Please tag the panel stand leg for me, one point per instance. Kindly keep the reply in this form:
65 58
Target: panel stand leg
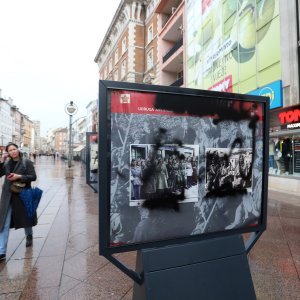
211 269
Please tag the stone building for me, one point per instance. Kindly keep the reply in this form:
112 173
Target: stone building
129 50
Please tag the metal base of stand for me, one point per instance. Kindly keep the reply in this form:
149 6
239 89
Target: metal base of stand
69 173
211 269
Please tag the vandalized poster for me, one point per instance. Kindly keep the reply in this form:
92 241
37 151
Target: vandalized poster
233 45
182 165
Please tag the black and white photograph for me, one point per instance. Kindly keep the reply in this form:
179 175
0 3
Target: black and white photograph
170 169
228 169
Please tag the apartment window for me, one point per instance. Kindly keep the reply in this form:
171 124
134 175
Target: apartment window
150 34
123 68
124 45
149 59
116 75
179 74
116 55
110 65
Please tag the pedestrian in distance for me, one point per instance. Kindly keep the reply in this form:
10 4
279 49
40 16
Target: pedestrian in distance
12 211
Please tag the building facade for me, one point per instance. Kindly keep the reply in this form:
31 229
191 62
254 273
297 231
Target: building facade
92 116
17 115
60 141
17 128
26 135
6 122
37 136
171 41
251 47
239 46
129 49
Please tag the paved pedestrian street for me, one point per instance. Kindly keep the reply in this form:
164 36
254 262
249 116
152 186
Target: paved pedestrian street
64 262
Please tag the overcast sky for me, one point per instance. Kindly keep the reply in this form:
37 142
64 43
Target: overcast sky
47 51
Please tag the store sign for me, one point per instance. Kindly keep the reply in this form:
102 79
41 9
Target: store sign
290 118
273 91
286 118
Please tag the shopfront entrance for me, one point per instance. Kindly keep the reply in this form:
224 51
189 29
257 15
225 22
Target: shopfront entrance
284 143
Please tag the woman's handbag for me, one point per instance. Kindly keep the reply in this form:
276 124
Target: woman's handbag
17 186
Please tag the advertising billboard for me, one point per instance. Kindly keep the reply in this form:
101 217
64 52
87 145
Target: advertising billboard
179 164
232 45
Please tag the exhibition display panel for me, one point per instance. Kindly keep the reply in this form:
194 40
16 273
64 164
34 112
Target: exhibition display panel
179 165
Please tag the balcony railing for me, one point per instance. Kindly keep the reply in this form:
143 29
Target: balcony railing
173 50
178 82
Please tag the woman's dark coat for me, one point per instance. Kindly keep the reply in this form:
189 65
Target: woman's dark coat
19 219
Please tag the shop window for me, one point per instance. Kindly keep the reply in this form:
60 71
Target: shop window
284 155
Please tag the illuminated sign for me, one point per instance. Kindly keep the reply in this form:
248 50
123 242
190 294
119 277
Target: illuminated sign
289 116
292 126
286 118
273 91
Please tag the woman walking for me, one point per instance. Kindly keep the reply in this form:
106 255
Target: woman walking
12 210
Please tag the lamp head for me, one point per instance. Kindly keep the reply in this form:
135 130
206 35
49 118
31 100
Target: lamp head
71 108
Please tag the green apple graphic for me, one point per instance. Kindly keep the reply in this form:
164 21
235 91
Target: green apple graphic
266 10
247 29
243 35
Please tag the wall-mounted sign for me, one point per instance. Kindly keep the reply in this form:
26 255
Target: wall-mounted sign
273 91
290 118
286 118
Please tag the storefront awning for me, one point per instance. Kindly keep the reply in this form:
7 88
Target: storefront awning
79 148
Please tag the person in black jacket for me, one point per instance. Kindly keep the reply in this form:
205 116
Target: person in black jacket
12 210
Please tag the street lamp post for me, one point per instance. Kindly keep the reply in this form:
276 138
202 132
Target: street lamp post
70 109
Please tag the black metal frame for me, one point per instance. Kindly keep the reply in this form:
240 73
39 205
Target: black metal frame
105 87
92 184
